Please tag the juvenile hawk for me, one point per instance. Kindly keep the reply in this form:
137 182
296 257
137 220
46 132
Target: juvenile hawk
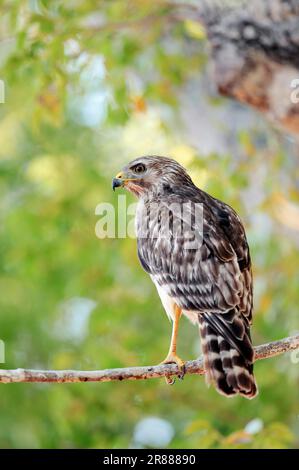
202 270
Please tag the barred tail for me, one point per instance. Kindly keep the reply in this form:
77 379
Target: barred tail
228 360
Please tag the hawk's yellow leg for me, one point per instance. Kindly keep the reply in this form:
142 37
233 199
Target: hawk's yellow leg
172 356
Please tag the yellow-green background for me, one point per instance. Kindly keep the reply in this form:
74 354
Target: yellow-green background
90 85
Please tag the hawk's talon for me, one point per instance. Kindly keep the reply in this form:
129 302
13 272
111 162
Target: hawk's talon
172 358
182 374
170 380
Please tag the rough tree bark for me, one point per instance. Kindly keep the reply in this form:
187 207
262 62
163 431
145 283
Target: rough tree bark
255 50
137 373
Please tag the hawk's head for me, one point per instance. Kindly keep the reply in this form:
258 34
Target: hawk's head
151 174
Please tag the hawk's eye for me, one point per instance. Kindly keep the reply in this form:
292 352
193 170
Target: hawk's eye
139 168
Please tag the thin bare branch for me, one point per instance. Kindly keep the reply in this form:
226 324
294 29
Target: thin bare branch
135 373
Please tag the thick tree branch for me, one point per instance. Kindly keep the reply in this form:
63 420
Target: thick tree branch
135 373
255 50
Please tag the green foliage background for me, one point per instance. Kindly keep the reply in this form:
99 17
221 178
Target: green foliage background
90 85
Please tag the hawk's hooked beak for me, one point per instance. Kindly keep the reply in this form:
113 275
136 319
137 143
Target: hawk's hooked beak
117 181
120 180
